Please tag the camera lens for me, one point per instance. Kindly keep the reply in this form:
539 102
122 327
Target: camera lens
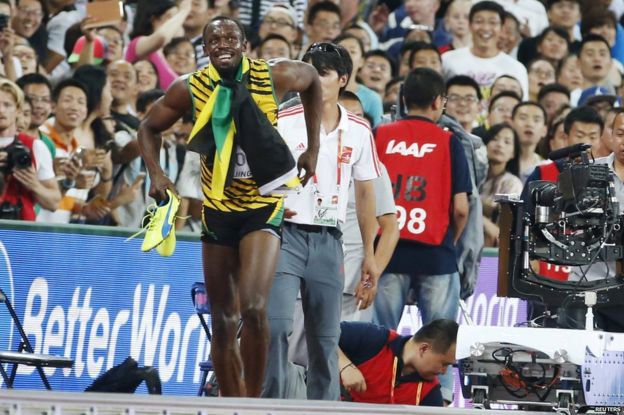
24 161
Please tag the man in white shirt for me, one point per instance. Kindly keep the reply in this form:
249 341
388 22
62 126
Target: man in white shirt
311 257
530 13
358 295
484 61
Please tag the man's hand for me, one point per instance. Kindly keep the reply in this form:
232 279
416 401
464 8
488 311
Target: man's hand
70 169
95 158
96 209
87 30
365 293
352 379
128 193
7 42
85 179
289 213
160 184
370 271
307 161
27 177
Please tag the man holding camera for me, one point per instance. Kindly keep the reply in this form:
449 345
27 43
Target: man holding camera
25 162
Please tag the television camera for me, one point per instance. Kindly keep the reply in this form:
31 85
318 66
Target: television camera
573 223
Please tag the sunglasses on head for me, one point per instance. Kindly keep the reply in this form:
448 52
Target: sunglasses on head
324 47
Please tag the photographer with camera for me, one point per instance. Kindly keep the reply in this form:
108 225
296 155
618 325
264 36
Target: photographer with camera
25 162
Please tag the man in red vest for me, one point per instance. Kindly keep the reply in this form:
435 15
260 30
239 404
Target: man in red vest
429 172
379 366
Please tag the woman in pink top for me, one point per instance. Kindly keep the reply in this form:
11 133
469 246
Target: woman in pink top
155 24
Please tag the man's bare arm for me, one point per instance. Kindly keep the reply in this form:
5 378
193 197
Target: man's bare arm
301 77
163 114
460 214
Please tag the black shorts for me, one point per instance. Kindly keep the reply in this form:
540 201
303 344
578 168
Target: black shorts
228 228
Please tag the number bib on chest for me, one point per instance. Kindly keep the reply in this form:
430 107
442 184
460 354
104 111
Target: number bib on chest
241 168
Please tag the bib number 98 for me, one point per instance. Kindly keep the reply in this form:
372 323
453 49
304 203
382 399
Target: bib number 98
414 219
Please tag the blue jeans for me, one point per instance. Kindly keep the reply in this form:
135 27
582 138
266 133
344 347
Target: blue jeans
437 296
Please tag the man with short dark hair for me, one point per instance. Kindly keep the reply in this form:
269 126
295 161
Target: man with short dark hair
595 61
124 89
510 35
281 20
581 125
323 22
202 11
484 61
529 121
377 71
530 14
463 103
553 97
604 23
251 13
428 168
311 257
565 14
425 55
379 366
39 91
70 110
499 111
274 46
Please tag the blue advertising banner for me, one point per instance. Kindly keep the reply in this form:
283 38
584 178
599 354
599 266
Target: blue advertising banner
85 293
98 300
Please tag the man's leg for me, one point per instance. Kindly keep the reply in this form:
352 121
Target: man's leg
321 295
297 347
438 297
390 300
258 252
280 309
220 263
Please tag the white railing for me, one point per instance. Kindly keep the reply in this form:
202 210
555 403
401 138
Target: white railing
29 402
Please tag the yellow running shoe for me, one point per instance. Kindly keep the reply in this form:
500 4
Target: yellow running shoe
162 223
167 247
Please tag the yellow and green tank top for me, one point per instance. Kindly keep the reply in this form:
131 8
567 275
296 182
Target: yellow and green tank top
242 194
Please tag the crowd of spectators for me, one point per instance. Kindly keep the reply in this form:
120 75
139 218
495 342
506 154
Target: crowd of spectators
77 90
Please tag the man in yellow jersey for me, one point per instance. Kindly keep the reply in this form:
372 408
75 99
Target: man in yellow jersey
234 101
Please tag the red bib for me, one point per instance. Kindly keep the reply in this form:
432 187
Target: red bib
378 373
418 158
